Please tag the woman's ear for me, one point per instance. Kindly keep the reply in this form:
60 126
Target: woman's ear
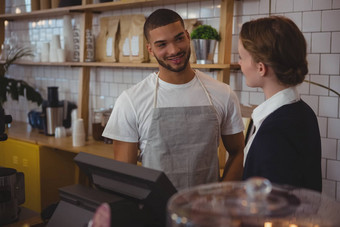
261 68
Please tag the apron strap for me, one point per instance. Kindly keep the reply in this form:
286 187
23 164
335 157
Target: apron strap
156 88
206 92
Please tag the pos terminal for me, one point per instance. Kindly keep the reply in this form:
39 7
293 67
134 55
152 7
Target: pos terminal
137 195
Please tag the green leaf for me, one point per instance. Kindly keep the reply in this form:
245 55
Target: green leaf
205 32
13 87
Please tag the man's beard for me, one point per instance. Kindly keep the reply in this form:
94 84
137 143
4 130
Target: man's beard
169 67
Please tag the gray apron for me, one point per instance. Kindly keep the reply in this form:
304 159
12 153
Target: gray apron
182 142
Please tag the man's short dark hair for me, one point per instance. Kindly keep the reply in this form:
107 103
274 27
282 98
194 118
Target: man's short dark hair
159 18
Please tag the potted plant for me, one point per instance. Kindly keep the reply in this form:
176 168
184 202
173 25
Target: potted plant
204 39
13 87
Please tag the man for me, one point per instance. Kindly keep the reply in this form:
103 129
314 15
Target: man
176 116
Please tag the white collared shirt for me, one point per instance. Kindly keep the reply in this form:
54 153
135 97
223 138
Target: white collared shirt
260 113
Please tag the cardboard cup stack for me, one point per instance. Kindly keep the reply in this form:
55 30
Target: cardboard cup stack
54 46
61 55
78 134
45 52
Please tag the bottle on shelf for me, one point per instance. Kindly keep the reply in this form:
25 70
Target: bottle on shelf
76 43
89 46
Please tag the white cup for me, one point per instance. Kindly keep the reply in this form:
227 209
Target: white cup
60 131
78 133
61 55
53 54
55 43
45 52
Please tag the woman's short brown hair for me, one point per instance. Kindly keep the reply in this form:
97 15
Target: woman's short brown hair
277 42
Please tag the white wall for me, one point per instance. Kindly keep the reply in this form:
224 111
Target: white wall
318 20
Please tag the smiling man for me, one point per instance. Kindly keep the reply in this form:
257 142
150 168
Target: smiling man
176 116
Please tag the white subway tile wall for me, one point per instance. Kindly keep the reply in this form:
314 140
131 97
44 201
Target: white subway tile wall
328 187
336 4
338 152
322 4
303 5
321 42
284 6
323 126
335 83
330 20
311 21
318 20
323 168
330 63
321 79
333 168
328 106
334 128
328 148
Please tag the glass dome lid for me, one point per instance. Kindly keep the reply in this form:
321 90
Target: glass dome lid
252 203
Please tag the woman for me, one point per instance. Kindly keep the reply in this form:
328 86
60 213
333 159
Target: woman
285 146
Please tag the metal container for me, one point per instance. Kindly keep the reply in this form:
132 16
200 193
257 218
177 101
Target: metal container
54 116
254 203
205 50
54 111
12 194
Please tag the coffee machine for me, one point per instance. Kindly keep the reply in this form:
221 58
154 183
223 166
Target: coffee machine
12 194
54 113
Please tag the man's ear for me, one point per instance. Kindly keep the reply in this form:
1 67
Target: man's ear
187 34
261 68
148 47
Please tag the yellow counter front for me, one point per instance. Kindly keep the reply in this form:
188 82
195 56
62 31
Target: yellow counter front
46 162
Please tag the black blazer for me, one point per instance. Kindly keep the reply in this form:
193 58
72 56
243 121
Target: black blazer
287 148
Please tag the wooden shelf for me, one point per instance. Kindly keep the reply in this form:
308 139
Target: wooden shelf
233 66
40 14
98 7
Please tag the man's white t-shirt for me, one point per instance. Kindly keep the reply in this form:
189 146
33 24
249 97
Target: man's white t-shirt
132 113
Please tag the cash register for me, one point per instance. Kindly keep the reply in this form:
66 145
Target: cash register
137 195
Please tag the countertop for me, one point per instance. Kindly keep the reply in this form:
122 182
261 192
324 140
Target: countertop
24 132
